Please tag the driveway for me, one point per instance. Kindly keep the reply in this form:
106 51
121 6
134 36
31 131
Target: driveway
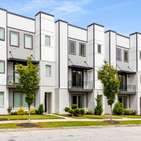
74 134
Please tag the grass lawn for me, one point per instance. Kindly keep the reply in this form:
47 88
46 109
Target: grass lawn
25 117
72 124
103 116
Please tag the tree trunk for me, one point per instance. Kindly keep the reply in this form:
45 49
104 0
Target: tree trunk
29 113
111 113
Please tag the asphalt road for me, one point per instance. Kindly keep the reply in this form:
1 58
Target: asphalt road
76 134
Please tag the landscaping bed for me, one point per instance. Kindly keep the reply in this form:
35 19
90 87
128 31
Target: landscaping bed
26 117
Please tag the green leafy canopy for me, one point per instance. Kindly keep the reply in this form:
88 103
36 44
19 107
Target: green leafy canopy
109 78
28 80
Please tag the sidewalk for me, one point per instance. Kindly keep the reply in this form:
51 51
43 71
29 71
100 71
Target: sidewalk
63 120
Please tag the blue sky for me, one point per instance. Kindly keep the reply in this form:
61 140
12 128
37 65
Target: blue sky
123 16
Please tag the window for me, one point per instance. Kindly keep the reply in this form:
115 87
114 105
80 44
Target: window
99 48
1 99
125 56
2 34
19 100
48 70
82 49
14 38
2 67
47 40
28 41
118 54
140 54
72 47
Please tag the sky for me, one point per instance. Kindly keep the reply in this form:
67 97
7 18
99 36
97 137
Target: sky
123 16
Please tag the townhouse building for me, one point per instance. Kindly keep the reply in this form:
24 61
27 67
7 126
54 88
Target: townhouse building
69 58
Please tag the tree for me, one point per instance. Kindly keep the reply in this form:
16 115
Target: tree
99 108
109 78
28 81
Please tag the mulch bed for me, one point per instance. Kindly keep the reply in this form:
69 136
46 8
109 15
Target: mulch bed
112 121
28 125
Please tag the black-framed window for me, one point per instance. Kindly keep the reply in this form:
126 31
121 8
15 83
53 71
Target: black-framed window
72 47
14 38
82 49
99 48
1 99
28 41
118 54
125 56
2 33
2 66
47 40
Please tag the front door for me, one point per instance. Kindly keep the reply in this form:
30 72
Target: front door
47 103
78 100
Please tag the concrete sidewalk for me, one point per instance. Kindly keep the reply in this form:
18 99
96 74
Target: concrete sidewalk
64 120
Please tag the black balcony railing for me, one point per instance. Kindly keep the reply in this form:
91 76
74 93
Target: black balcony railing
128 88
80 86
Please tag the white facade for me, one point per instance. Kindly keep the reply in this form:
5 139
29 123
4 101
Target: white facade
69 58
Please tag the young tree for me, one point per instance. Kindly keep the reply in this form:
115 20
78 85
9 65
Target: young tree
109 78
28 81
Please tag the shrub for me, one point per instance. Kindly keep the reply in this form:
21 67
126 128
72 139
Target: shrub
13 113
9 110
40 109
21 111
32 111
129 112
99 108
74 110
118 108
67 109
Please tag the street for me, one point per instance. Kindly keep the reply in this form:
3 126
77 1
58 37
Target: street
71 134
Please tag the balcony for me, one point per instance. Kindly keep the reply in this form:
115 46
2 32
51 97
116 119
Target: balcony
84 86
128 89
12 81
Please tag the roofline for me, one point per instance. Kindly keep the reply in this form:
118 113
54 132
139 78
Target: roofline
20 15
117 33
61 21
135 33
95 24
42 12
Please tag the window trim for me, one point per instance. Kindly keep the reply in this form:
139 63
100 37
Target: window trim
4 33
3 99
31 41
84 55
49 40
2 61
18 38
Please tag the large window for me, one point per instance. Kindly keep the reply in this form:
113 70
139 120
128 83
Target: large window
2 34
1 99
72 47
48 70
118 54
47 41
14 38
125 56
28 41
2 67
78 100
82 49
19 100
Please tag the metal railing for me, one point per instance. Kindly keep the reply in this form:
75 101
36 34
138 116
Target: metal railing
128 88
82 85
